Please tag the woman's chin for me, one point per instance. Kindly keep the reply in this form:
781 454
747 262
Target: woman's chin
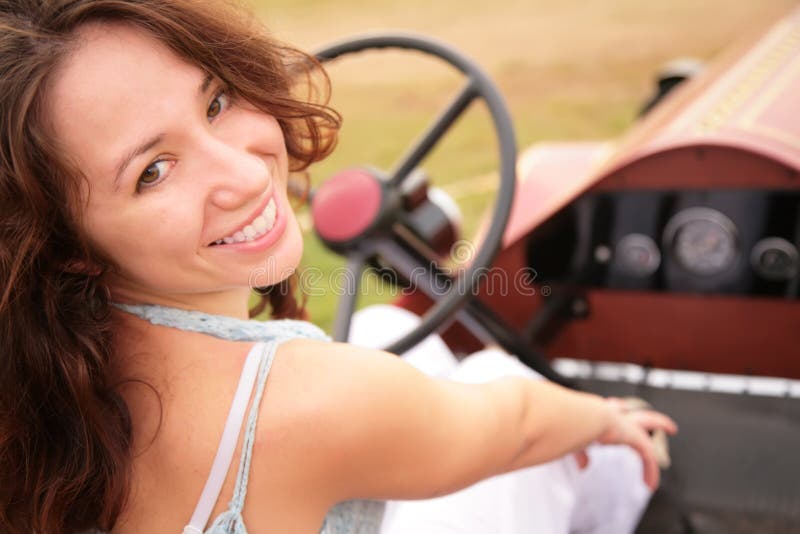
282 261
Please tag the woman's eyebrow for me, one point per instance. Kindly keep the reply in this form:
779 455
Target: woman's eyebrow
141 149
150 143
206 83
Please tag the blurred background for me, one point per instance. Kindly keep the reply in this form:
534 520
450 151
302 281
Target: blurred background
574 69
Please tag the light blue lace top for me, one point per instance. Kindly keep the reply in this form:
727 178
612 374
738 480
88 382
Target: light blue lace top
351 517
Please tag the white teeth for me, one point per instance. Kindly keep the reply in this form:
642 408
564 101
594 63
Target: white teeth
262 224
269 214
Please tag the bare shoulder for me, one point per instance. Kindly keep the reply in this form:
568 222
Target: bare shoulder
359 423
302 415
327 381
310 359
184 418
311 390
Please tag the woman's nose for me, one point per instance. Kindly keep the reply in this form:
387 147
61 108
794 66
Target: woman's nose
233 175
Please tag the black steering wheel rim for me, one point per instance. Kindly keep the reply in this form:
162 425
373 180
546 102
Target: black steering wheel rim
480 86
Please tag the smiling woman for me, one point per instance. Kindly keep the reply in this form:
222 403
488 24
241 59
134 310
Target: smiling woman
146 151
141 126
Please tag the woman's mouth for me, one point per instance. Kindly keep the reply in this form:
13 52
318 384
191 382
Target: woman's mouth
256 228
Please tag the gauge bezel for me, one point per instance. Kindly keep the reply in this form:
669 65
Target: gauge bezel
700 214
642 241
777 243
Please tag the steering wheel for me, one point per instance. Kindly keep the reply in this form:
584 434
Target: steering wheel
355 210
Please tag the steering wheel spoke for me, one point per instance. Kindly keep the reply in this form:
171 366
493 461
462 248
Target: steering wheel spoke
434 133
354 269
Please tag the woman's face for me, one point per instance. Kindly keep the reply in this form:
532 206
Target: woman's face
186 186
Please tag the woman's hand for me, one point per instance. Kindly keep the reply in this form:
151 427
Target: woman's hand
632 423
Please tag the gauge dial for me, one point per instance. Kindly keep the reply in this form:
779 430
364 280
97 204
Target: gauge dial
638 255
775 258
702 240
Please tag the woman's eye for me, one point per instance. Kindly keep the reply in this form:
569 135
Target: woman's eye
154 172
219 103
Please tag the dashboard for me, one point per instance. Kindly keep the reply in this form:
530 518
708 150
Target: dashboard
741 242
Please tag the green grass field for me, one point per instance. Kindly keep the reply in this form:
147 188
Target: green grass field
569 70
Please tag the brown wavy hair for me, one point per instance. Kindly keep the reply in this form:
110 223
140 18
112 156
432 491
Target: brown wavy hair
65 432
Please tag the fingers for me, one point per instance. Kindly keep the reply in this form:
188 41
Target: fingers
651 420
635 422
657 425
650 470
641 409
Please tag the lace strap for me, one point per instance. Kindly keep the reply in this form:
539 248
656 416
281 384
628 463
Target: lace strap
227 445
222 326
239 493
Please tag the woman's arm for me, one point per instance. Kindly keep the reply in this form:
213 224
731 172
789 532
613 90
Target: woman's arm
383 429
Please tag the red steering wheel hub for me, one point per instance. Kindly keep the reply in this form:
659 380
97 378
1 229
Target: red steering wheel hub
346 205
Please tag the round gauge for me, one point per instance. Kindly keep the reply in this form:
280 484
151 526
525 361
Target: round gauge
775 258
637 255
702 240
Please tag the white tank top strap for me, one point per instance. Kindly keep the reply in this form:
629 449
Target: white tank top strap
228 441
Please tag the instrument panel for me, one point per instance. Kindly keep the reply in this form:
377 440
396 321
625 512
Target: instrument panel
744 242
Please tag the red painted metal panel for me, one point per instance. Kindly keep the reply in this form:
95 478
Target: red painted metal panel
750 105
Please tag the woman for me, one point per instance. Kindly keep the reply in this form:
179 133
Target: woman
146 153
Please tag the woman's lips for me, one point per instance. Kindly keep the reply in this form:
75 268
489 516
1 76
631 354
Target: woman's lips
262 223
261 240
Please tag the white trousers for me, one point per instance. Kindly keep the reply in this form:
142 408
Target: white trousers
607 497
